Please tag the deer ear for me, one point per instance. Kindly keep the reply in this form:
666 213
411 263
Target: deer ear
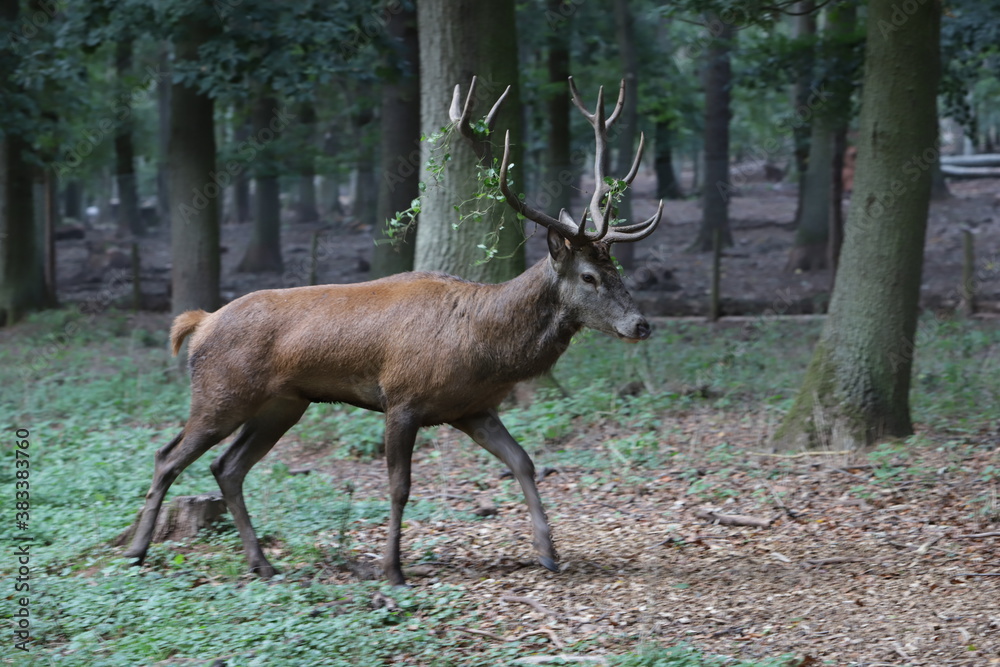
559 247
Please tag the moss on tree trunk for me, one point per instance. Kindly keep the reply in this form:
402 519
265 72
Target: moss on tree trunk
856 389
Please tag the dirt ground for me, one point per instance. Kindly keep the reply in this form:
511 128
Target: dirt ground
860 565
96 270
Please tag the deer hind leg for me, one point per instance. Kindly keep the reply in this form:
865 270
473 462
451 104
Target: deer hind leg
255 440
488 431
401 428
199 435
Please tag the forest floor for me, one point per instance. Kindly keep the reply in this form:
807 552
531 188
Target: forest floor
754 279
883 560
866 560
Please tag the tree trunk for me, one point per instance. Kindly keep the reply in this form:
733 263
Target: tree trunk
365 197
856 388
809 251
193 204
307 211
556 192
329 188
824 168
129 221
163 105
241 184
22 272
460 38
717 189
667 185
939 187
400 148
628 124
804 28
73 200
263 253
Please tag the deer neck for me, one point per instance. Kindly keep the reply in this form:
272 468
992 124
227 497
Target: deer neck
526 323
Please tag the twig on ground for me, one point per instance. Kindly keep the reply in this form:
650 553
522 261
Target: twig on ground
837 560
542 631
976 536
978 574
925 547
533 603
849 474
734 519
543 659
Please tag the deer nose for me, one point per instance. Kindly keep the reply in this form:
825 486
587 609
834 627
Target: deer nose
642 330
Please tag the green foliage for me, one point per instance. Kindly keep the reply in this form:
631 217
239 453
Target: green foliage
685 656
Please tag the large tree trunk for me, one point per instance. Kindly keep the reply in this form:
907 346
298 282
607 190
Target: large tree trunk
804 27
460 38
628 129
365 197
193 204
307 211
400 148
263 253
717 190
129 221
22 271
856 389
560 175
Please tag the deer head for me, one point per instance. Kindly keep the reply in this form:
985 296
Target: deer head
589 284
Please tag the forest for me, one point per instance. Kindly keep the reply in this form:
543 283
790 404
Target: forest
728 271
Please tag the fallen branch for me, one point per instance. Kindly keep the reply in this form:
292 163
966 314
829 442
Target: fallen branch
733 519
543 659
531 633
976 536
533 603
978 574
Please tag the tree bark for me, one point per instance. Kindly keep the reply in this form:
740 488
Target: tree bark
717 190
263 253
459 39
129 221
193 203
856 389
628 123
307 211
804 28
400 147
22 271
365 197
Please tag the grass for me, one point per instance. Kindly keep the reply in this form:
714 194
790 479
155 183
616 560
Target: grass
99 395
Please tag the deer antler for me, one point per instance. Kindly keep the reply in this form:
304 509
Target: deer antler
462 117
576 232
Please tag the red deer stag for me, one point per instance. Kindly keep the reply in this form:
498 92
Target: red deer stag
423 348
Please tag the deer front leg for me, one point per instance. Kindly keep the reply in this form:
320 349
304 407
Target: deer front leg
401 427
487 430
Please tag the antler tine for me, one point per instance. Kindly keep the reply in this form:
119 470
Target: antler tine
491 117
455 112
638 158
564 225
578 101
636 232
601 188
618 106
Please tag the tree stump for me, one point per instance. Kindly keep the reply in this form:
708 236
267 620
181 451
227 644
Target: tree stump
181 519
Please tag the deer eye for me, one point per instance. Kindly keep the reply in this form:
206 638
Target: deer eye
589 279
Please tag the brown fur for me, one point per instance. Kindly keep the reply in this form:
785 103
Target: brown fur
184 325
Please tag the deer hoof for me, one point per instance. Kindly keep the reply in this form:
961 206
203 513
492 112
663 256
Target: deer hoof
548 563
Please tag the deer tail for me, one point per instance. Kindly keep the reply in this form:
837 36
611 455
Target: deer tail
184 325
